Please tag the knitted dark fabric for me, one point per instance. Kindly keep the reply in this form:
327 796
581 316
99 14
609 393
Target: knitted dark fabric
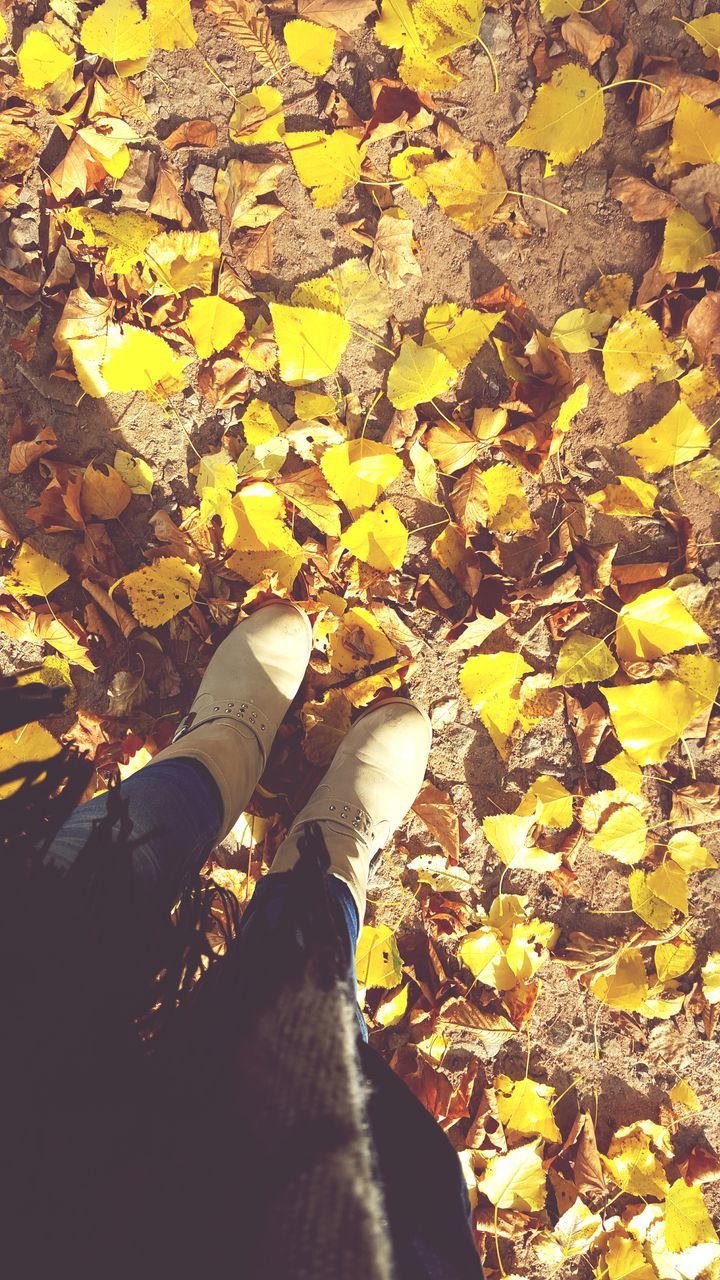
156 1126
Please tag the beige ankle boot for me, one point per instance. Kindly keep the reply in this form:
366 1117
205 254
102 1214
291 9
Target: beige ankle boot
251 680
370 785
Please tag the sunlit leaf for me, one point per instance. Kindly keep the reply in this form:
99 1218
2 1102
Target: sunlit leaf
524 1107
687 243
653 624
695 133
583 659
378 537
377 960
516 1180
623 835
328 163
468 186
310 342
637 351
159 591
212 324
360 471
309 46
678 437
566 116
32 574
418 375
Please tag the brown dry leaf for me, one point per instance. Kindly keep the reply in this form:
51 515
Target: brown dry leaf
238 188
585 39
393 260
436 809
58 509
343 14
703 326
452 447
24 452
78 171
701 1166
248 22
588 724
396 109
104 494
658 105
166 200
695 804
192 133
453 551
325 723
8 533
644 202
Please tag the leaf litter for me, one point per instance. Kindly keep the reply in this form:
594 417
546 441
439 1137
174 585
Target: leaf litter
295 376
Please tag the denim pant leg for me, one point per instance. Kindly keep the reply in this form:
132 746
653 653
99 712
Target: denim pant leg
173 813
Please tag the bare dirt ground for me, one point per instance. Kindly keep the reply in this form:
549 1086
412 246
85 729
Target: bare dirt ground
617 1065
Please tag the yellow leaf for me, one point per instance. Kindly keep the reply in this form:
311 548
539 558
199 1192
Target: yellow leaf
574 1234
136 473
309 46
349 289
407 167
327 163
695 134
685 848
468 187
687 1221
650 718
427 480
378 537
26 746
181 260
508 834
314 404
646 904
583 659
706 31
636 1158
358 642
143 361
104 494
258 116
360 471
687 243
458 334
310 342
627 497
507 507
116 30
212 324
377 959
673 959
427 32
218 502
623 835
626 773
524 1107
549 802
216 471
516 1179
711 978
124 236
678 437
625 1260
626 986
551 9
159 591
309 494
610 293
653 624
393 1008
41 60
418 375
566 116
33 574
637 351
483 953
491 683
263 543
261 422
670 884
171 24
577 330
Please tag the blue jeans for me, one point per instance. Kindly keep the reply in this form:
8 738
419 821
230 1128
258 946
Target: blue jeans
175 811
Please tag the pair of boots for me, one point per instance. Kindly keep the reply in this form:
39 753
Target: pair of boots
377 771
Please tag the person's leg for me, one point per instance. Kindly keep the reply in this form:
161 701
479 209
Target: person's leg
172 813
167 818
373 780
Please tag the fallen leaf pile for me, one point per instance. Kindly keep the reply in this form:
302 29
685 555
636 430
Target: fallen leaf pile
445 513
